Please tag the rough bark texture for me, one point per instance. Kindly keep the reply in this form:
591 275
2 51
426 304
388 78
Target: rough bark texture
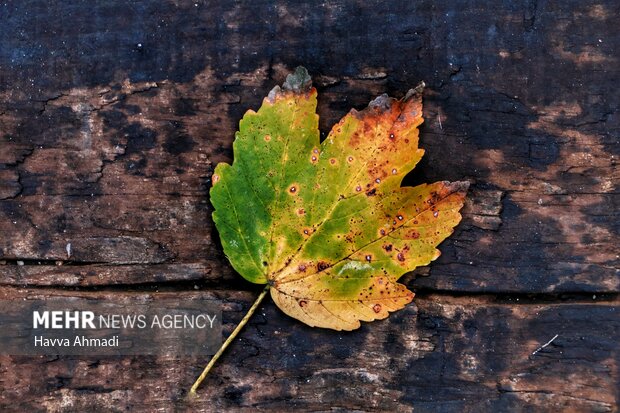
113 115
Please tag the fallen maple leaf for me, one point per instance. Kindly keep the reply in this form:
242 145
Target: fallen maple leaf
326 225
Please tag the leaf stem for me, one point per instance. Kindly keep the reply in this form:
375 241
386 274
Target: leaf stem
229 340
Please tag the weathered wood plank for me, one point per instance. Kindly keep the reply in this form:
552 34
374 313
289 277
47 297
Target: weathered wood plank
130 228
441 354
114 276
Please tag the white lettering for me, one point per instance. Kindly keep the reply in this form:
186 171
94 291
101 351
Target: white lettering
155 322
72 318
104 321
57 319
87 319
51 342
182 321
83 341
40 319
63 319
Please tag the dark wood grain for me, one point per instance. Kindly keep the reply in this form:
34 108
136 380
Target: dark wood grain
440 354
113 115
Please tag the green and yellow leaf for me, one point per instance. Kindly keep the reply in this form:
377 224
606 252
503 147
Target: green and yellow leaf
327 224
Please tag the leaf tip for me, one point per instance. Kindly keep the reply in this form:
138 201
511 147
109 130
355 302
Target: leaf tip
382 102
416 91
298 81
459 187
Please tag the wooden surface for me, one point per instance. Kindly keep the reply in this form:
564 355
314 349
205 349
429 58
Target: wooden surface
113 115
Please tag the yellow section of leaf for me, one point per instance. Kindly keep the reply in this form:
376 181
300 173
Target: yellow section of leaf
362 285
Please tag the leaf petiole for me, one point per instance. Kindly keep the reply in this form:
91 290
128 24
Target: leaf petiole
229 340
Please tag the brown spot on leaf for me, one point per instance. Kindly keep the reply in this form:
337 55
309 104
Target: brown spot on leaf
358 188
332 161
215 179
376 308
368 258
387 247
322 265
301 211
436 214
292 189
434 198
302 267
372 192
267 138
400 257
303 303
413 234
